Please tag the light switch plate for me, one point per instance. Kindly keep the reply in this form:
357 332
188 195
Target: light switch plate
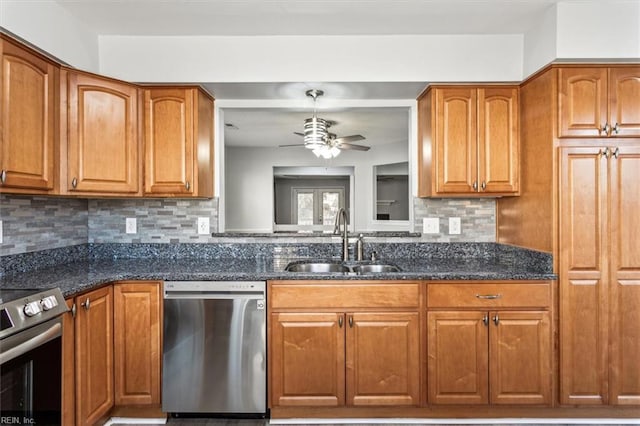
454 226
1 237
430 225
203 225
131 225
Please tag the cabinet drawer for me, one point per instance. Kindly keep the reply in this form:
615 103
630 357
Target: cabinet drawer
343 294
514 294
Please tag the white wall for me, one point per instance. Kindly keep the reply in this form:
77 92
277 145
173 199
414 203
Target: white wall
249 181
51 28
313 58
540 43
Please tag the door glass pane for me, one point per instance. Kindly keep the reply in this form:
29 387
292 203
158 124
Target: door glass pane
305 208
330 206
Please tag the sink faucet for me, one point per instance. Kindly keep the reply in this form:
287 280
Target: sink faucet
342 216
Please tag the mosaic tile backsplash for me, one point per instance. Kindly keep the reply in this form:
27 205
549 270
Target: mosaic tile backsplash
40 223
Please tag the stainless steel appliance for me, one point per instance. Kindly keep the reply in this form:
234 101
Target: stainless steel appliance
31 356
214 350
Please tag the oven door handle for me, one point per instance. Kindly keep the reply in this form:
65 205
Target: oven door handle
22 348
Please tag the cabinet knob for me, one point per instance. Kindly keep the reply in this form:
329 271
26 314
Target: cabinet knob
351 321
86 304
496 319
606 152
484 185
616 128
485 319
475 185
74 183
606 129
187 185
3 176
616 153
340 320
74 310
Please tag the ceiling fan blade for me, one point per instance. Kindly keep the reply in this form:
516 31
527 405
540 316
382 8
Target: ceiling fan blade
295 144
348 139
298 133
352 146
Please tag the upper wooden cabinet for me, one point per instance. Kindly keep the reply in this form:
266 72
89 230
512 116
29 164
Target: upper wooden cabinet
468 141
599 102
29 113
178 130
103 148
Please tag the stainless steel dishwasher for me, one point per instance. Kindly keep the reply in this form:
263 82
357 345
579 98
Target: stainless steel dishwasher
214 350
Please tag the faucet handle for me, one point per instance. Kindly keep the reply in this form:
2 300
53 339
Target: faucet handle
374 256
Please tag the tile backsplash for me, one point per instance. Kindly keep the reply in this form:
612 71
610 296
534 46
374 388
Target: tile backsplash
40 223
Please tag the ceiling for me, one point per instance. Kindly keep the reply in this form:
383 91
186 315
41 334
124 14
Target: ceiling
273 126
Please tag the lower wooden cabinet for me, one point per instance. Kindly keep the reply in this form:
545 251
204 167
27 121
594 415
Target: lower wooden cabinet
111 350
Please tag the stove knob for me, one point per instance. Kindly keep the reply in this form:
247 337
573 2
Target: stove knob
32 308
49 302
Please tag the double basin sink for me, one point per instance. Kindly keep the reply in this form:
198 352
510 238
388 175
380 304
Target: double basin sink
335 267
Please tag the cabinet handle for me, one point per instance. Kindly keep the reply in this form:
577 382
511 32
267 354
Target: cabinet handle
74 310
351 322
616 153
484 185
606 129
475 185
489 296
496 319
485 320
3 176
187 185
616 128
74 183
86 304
340 321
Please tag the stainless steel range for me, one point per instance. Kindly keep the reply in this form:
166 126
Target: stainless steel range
31 356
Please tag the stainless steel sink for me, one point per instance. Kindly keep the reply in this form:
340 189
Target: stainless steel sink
320 267
374 268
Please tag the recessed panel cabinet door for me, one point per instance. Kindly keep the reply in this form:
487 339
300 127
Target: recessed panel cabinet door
29 113
383 361
457 354
307 359
624 101
625 277
582 102
103 148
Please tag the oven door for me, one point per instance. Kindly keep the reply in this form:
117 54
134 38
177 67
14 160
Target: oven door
31 375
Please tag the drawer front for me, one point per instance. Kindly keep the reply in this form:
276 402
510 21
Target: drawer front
489 295
343 295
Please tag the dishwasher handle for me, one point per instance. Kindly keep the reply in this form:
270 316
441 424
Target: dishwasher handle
228 295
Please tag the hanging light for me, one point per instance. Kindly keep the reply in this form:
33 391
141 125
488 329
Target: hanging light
316 133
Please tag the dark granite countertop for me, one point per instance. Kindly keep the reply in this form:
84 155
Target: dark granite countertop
79 276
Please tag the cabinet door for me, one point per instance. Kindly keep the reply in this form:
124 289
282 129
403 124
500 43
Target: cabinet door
169 136
457 357
624 101
68 366
456 140
383 359
137 320
625 277
28 114
582 102
583 276
103 151
520 357
94 355
307 359
498 135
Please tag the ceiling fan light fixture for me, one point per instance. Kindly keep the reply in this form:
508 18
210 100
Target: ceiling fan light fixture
326 151
315 130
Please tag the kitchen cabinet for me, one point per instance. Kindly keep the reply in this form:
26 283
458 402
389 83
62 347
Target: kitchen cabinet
68 364
497 355
599 102
29 115
137 342
94 355
337 345
178 129
599 275
468 141
103 144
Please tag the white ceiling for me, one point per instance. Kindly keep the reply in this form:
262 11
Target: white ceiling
269 127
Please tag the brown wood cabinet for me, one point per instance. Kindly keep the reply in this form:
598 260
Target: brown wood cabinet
137 342
489 356
600 275
94 355
327 349
103 144
468 141
599 102
68 365
178 129
29 115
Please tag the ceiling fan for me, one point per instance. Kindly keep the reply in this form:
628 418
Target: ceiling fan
318 138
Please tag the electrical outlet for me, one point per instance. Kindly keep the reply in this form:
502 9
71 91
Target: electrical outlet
1 232
203 225
131 225
430 225
454 225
